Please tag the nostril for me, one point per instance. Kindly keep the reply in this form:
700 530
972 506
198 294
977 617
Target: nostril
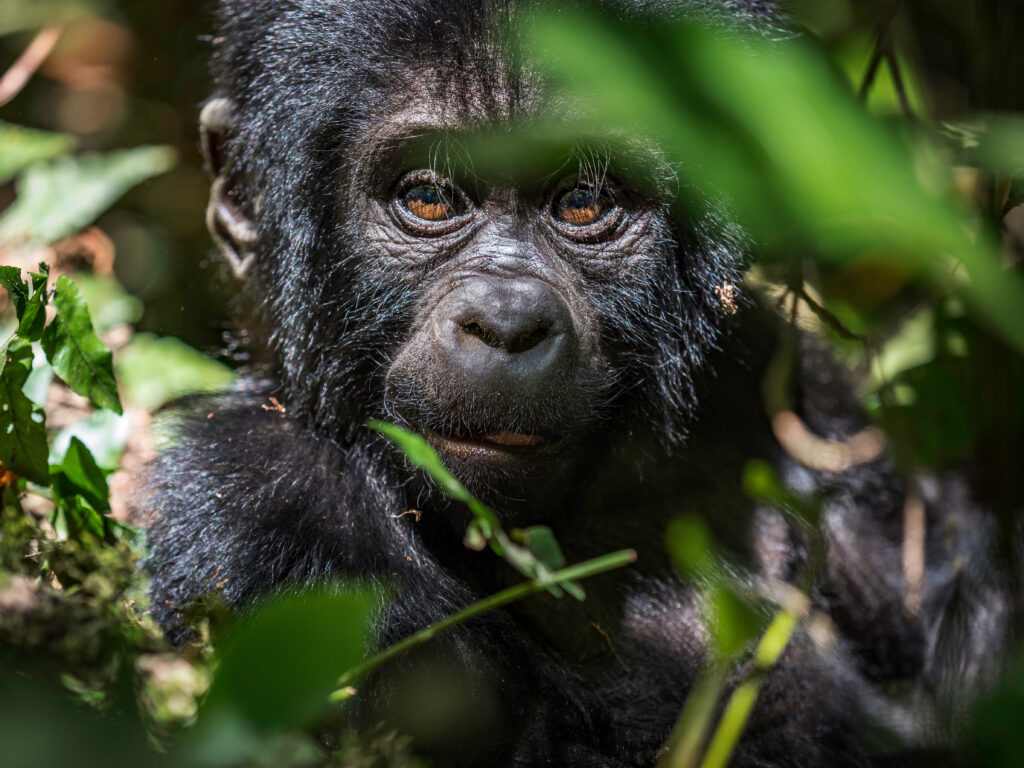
512 340
529 337
486 335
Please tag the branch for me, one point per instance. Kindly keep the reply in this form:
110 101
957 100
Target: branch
15 78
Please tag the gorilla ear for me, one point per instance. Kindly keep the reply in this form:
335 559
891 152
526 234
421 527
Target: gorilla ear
228 216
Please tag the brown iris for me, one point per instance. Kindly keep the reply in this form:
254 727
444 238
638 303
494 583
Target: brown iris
430 202
582 206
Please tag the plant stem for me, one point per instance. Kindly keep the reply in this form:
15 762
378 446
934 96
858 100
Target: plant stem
579 571
737 711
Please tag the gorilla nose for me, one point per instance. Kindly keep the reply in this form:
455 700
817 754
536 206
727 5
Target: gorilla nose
518 330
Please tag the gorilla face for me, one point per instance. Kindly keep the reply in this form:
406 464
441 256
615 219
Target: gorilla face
519 315
506 364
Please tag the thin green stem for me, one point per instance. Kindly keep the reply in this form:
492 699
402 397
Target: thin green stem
519 591
690 733
741 703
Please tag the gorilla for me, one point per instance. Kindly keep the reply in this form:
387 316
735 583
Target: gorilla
578 353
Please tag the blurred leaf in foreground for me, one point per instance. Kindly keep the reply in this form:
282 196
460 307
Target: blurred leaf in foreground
278 665
155 370
25 146
21 15
57 199
773 128
74 351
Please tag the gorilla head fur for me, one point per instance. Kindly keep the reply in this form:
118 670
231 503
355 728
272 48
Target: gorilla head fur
338 110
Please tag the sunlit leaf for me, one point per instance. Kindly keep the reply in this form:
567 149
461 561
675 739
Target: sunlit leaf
422 455
57 199
24 146
154 370
22 431
74 351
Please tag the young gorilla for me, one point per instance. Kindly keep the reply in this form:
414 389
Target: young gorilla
563 342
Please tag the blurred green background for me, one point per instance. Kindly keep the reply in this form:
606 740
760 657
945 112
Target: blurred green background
124 74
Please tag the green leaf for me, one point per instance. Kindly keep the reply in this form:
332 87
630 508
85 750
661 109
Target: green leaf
22 428
17 291
79 475
540 540
422 455
29 309
34 318
74 519
25 146
155 370
278 667
74 351
25 15
734 622
59 198
691 548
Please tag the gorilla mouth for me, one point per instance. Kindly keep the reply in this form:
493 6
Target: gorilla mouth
487 445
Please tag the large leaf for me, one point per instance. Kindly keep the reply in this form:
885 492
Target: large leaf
74 351
23 15
25 146
155 370
22 430
59 198
278 666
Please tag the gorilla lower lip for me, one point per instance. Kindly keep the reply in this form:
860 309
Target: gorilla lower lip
490 444
513 439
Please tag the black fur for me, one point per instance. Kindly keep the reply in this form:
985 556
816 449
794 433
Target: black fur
249 500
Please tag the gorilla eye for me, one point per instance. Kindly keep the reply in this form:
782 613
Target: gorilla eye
431 201
581 206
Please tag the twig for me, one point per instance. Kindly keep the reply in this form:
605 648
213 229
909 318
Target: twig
579 571
834 323
914 534
901 91
882 46
31 59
